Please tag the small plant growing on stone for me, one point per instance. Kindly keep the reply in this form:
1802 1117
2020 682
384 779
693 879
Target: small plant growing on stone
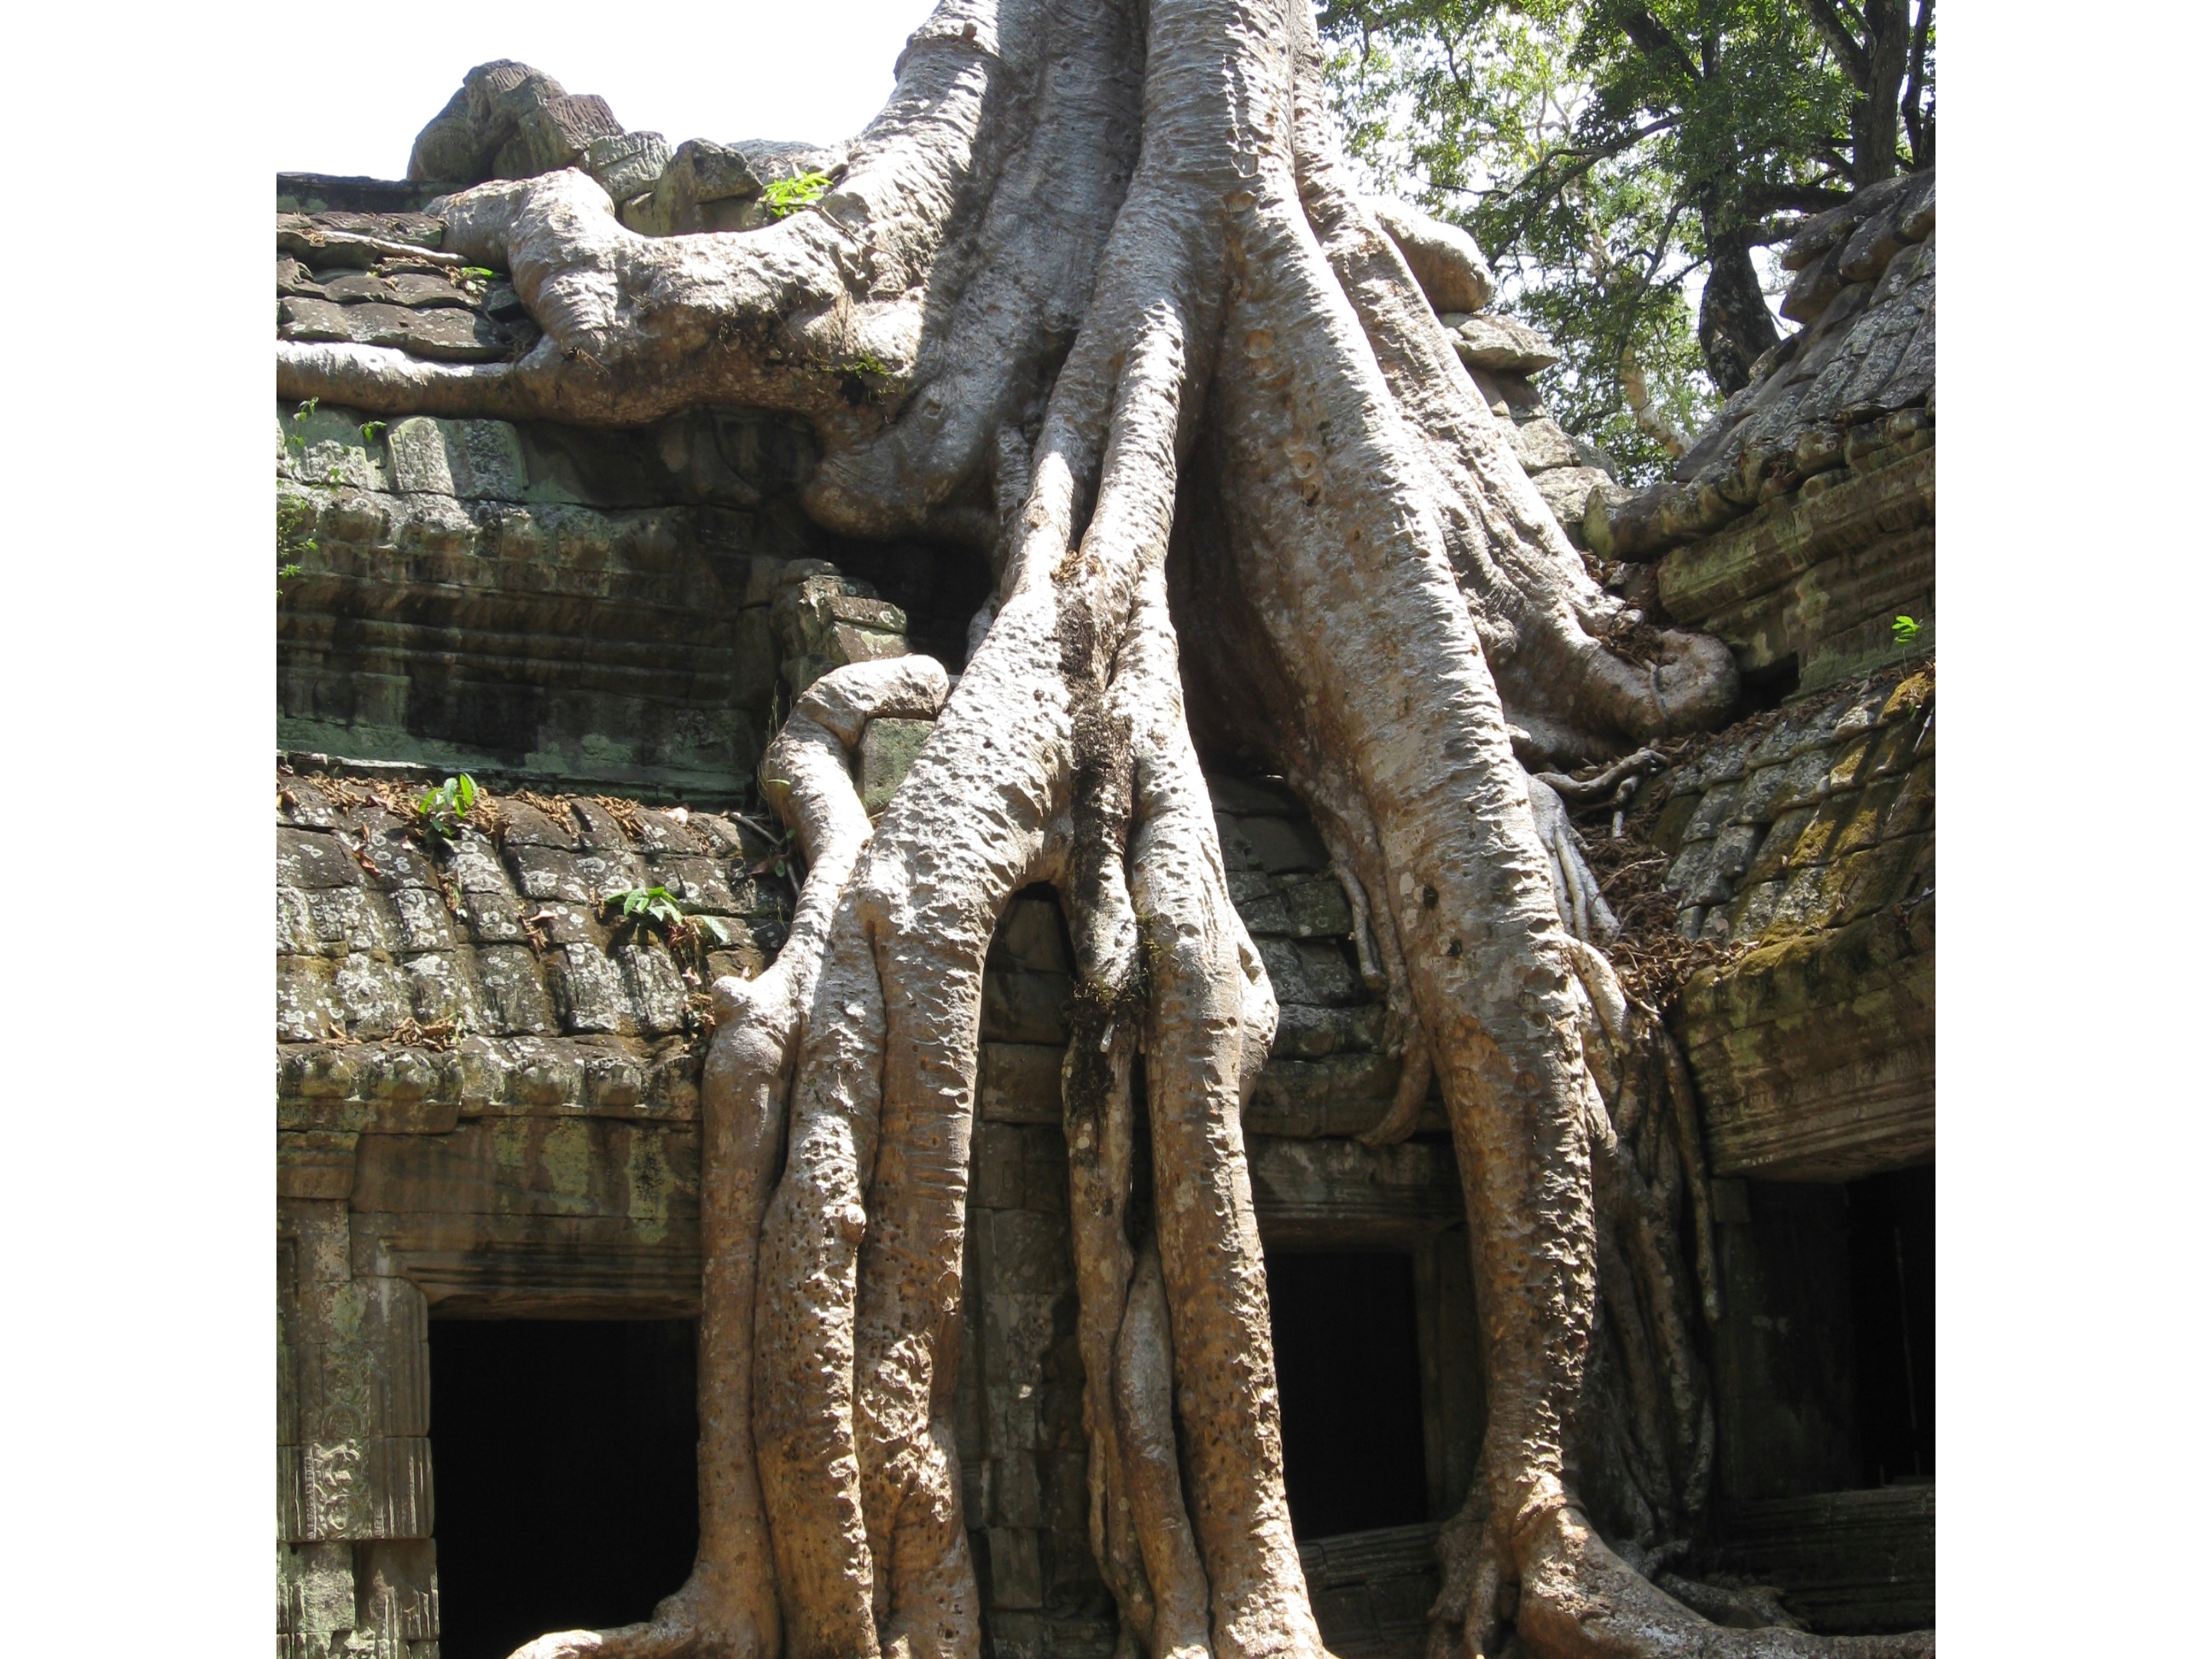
668 913
293 519
788 196
442 810
1905 630
371 431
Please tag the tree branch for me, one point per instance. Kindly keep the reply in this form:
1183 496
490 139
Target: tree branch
1919 127
1657 43
1793 199
1841 40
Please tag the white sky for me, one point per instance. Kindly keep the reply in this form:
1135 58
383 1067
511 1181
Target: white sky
355 87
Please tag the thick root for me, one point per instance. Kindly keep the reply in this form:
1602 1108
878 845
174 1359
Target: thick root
728 1607
1580 1601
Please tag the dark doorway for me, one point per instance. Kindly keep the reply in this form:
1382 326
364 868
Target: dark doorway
1893 1250
565 1459
1348 1366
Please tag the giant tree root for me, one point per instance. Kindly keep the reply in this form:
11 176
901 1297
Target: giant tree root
1112 293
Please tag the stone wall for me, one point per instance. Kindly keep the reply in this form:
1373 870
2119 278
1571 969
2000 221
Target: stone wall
1809 836
594 611
488 1105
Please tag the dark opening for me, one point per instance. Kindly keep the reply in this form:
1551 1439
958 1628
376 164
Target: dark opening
565 1458
1348 1366
1892 1250
1762 688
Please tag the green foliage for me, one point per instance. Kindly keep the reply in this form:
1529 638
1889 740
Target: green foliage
295 518
371 431
668 913
443 810
788 196
1905 630
1595 149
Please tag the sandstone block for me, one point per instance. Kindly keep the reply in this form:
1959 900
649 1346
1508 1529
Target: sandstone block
1542 444
627 164
473 460
888 749
1501 345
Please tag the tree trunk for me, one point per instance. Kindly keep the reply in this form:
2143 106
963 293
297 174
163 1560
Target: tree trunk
1115 296
1735 327
1875 111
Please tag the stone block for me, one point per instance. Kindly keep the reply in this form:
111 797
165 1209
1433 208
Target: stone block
420 922
1541 444
1501 346
1316 909
656 992
1305 1032
515 1003
354 1489
472 460
314 1593
1026 1008
1029 938
1020 1166
1281 846
396 1591
555 133
1310 972
1016 1582
627 164
307 1009
348 918
1567 490
441 989
888 749
1018 1083
295 925
589 991
310 859
445 334
371 995
315 1164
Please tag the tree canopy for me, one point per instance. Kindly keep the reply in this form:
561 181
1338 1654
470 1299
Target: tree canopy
1605 153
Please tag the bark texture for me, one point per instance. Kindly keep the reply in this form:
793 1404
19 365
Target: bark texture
1095 286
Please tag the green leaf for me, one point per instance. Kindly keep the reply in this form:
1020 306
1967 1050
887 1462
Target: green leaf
788 196
468 793
371 431
635 901
713 927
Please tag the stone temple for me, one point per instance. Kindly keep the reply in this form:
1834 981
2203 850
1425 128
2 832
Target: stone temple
487 1249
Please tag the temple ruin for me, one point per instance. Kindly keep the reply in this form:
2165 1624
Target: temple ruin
487 1255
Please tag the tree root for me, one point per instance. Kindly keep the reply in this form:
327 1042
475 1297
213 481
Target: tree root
1214 307
728 1609
1580 1601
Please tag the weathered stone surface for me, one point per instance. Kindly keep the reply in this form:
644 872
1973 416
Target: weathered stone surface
555 133
888 748
473 460
1815 1058
1540 444
1798 572
1501 346
1570 490
1443 259
1371 1591
1844 1561
627 164
821 621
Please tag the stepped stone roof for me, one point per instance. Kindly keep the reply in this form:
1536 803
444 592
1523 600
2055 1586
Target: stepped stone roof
1862 365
